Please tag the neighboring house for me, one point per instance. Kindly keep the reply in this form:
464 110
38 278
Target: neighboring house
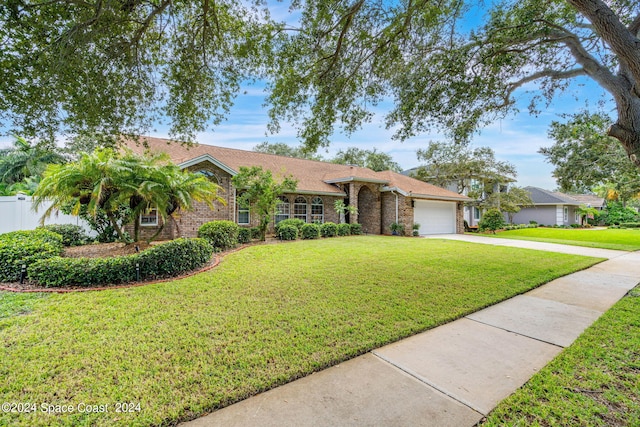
477 188
380 197
549 208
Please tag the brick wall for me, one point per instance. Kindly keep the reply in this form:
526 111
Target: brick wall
368 201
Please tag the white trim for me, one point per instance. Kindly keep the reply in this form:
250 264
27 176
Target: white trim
208 158
443 198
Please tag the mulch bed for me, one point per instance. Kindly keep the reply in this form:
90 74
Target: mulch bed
103 250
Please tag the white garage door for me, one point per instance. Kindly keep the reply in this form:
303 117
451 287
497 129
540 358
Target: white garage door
435 217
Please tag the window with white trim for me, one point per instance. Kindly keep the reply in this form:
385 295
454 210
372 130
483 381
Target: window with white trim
577 216
300 208
566 213
244 217
283 209
149 217
317 210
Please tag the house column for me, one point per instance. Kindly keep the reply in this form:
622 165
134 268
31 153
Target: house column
353 201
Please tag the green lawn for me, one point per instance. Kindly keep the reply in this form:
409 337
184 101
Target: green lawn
594 382
267 315
621 239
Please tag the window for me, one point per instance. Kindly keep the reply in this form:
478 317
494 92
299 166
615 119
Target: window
317 210
282 209
210 175
149 217
243 211
566 214
577 216
300 208
476 213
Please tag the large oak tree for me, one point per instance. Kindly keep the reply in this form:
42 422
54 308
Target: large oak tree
116 66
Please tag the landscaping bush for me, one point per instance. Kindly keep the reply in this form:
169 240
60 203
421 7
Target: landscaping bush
255 232
221 235
492 221
72 235
616 214
244 236
20 248
344 229
298 223
329 229
630 225
310 231
288 232
356 229
165 260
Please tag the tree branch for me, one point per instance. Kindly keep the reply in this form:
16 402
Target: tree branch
624 44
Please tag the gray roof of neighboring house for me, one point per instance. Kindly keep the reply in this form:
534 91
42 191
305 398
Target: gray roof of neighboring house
544 197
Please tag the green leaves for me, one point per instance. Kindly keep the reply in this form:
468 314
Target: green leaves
105 181
258 189
585 157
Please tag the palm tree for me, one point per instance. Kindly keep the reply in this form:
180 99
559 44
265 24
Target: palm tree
24 160
105 181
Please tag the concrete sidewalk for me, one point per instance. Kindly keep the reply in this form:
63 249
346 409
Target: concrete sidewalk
455 374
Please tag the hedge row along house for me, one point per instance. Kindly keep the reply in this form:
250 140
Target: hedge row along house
381 198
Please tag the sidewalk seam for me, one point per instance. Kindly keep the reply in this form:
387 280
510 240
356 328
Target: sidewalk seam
427 383
516 333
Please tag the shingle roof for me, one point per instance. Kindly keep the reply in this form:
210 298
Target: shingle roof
313 176
544 197
589 200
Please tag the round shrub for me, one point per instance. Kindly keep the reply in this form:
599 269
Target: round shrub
72 235
356 229
310 231
244 236
492 221
298 223
220 234
20 248
344 229
164 260
329 229
288 232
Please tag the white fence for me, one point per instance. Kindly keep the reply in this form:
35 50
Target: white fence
16 213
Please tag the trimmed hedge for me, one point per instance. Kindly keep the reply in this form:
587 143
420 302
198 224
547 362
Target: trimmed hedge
220 234
165 260
356 229
344 229
244 235
310 231
329 229
298 223
288 232
72 235
20 248
630 225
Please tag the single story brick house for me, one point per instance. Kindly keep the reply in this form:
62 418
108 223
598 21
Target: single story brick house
380 197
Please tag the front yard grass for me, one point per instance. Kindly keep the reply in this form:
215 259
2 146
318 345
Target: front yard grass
620 239
594 382
267 315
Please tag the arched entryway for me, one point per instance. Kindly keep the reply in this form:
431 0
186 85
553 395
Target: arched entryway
369 211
